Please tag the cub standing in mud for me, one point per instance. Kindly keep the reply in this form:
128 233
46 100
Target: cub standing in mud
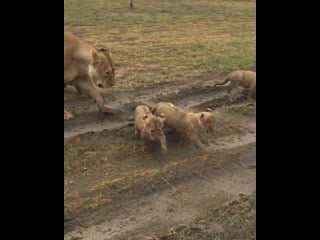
150 127
192 124
87 69
243 78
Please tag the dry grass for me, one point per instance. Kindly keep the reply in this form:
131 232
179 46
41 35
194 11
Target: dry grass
158 41
168 40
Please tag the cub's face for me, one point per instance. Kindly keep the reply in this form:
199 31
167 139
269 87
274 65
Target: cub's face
207 121
154 127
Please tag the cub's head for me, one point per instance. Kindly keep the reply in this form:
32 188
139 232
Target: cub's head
154 126
206 121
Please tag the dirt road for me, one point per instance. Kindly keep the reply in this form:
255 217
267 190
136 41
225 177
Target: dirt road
114 191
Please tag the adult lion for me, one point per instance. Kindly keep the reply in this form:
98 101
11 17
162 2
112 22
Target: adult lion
87 68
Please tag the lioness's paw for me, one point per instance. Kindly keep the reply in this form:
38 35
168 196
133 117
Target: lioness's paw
108 109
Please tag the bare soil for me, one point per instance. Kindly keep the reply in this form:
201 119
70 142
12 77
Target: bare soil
113 190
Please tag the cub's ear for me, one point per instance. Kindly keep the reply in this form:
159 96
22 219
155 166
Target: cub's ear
145 117
162 117
202 116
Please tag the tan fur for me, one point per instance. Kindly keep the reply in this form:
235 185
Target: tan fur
243 78
252 90
87 68
67 115
149 126
192 124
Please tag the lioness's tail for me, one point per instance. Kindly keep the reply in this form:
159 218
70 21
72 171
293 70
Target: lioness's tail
222 83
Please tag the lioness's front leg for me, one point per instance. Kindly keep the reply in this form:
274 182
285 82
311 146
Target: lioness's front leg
87 87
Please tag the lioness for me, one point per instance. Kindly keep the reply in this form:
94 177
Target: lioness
150 127
192 124
243 78
87 68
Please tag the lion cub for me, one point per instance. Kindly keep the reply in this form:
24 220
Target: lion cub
192 124
243 78
150 127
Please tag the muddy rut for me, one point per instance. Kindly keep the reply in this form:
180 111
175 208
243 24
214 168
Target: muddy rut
179 196
88 119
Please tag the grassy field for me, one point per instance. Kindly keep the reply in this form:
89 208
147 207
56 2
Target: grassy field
168 40
109 179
